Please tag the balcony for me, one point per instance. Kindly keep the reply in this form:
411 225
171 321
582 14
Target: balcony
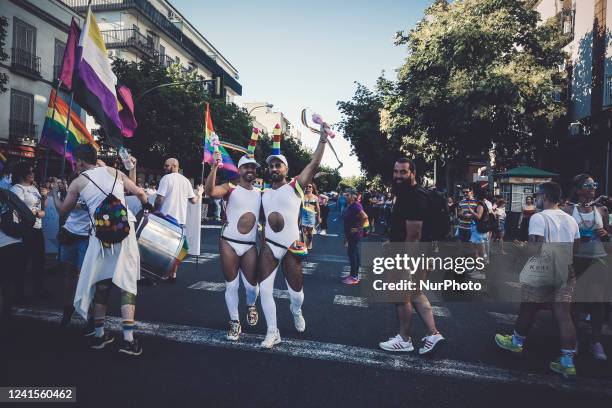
608 91
25 62
160 20
166 61
22 132
129 38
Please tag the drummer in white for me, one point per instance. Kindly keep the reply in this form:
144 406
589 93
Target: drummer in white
237 244
173 194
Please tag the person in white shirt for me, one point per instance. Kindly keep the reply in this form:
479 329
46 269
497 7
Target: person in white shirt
173 194
551 225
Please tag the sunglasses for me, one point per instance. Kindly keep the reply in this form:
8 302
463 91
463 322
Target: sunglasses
590 186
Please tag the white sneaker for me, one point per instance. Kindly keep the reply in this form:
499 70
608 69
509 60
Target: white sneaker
233 334
272 339
396 344
298 320
429 342
323 232
598 352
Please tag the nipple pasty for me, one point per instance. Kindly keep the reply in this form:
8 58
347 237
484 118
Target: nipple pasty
253 142
277 139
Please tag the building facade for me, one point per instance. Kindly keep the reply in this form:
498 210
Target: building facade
263 115
155 29
586 144
35 42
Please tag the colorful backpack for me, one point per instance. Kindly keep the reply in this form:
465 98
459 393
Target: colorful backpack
110 218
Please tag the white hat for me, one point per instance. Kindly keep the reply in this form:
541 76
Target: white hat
280 157
246 159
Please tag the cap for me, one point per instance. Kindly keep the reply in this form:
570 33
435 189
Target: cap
279 157
246 159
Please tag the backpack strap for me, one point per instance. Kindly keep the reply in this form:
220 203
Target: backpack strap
94 183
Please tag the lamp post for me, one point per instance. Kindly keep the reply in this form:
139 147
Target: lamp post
267 105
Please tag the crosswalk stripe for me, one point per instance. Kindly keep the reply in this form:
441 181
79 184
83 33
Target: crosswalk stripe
211 227
312 265
350 301
342 353
220 287
356 301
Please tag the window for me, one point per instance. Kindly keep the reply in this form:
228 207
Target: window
22 115
24 36
58 57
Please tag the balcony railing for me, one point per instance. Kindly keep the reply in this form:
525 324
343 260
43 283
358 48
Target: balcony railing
25 61
166 61
129 38
22 132
608 91
162 22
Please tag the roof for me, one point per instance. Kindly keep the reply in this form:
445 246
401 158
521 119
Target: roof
526 171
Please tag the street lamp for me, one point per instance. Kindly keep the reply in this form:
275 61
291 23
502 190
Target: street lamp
267 105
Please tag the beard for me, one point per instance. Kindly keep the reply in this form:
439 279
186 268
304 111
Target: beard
399 186
277 177
249 176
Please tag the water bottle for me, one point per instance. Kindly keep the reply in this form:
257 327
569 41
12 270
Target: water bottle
125 157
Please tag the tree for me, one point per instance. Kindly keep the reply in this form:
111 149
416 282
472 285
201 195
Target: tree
478 72
327 179
296 155
3 55
171 119
361 125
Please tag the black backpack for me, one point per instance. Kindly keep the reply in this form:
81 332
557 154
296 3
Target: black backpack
437 225
487 222
110 217
9 203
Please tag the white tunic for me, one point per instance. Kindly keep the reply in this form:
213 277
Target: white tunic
241 201
285 201
121 262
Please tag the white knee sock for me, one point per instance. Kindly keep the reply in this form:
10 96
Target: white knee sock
297 298
266 290
251 291
231 297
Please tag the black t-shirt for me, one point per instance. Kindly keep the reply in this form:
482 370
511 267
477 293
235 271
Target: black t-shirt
410 205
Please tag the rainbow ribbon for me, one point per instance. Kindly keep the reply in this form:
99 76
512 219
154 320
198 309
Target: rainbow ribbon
253 142
277 139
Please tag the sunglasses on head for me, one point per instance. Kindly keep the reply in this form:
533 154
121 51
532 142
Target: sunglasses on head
590 186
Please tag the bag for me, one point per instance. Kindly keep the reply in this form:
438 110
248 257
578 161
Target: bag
540 270
436 226
10 203
110 217
483 225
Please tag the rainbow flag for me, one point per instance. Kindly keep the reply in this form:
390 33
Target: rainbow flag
230 169
54 130
2 161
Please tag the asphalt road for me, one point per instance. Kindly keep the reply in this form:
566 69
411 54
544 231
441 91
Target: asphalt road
336 362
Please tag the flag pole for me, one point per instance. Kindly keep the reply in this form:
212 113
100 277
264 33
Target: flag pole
46 167
66 135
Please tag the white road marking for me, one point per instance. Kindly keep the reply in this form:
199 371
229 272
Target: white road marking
220 287
347 268
211 226
309 265
328 258
209 255
516 285
350 301
307 271
342 353
503 318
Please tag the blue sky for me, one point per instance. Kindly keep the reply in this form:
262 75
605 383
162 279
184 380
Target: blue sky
297 54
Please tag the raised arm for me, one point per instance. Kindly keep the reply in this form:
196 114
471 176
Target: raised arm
72 195
210 189
306 175
132 188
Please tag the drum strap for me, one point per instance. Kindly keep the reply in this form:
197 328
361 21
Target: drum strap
238 241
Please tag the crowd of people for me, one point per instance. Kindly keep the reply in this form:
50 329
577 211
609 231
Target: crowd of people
274 226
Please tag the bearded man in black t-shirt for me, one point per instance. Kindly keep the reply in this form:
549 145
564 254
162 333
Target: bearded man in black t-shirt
409 224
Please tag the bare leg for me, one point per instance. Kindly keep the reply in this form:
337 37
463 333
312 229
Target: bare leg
567 330
526 316
404 315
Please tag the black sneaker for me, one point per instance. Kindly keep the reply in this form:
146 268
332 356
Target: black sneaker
98 343
90 328
132 348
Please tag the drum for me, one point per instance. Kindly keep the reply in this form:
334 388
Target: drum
159 242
